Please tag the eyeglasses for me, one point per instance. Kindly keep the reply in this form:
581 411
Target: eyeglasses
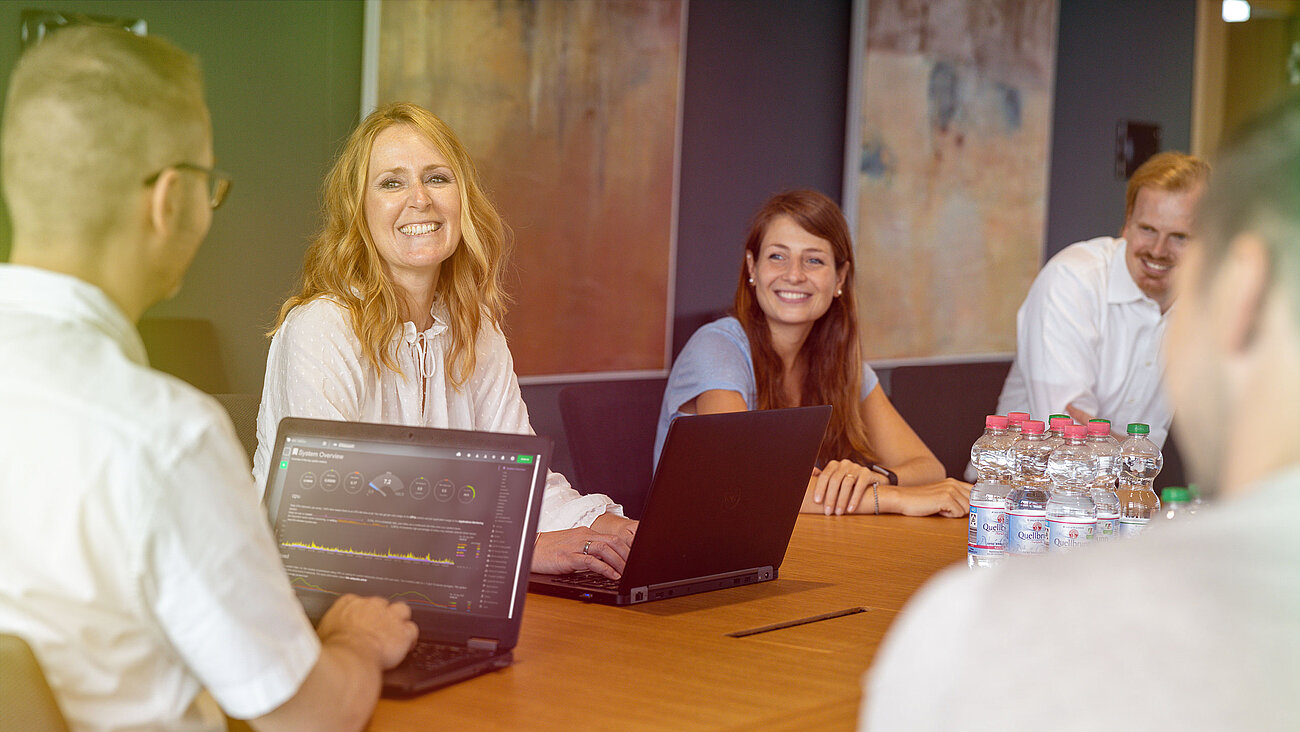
218 182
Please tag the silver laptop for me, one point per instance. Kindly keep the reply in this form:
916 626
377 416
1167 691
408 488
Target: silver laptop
442 520
720 510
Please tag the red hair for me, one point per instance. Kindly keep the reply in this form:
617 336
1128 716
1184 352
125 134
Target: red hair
831 352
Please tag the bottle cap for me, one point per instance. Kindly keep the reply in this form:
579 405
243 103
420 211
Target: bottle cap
1099 426
995 421
1059 422
1017 416
1031 427
1175 494
1137 428
1075 431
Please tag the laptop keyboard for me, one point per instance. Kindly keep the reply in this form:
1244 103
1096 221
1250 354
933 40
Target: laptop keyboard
428 654
588 578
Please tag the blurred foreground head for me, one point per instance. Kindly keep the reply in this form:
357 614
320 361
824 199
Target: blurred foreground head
1233 346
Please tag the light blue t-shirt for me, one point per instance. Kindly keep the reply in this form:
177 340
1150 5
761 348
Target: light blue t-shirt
718 357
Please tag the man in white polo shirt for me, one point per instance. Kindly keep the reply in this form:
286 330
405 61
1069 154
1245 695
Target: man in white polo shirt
134 558
1088 334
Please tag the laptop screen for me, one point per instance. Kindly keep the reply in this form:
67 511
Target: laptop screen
438 525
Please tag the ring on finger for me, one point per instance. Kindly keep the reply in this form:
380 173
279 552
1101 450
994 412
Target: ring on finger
586 547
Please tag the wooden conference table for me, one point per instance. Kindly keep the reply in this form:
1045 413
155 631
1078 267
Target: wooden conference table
673 664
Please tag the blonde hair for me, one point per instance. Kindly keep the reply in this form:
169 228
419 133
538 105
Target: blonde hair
342 262
1166 171
91 113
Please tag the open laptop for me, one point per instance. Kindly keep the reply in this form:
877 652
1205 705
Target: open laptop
441 519
720 510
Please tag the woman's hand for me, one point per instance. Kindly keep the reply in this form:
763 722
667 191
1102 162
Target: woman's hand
841 485
573 550
949 497
612 523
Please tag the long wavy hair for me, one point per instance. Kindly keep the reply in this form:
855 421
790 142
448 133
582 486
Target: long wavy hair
831 353
342 262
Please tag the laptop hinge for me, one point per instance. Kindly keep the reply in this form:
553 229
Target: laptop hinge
483 644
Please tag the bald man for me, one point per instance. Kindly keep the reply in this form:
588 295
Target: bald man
134 558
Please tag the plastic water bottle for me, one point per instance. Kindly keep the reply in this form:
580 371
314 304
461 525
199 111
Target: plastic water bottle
986 542
1056 425
1027 502
1176 503
1071 512
1139 464
1106 449
1015 419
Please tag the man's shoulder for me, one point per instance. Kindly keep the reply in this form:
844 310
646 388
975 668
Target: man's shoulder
1089 258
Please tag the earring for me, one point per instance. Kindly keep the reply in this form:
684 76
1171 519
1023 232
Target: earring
751 280
839 292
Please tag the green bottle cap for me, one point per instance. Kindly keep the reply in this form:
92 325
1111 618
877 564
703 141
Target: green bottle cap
1058 416
1137 428
1099 419
1175 494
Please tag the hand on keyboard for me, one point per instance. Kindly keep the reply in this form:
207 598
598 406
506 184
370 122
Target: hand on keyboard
573 550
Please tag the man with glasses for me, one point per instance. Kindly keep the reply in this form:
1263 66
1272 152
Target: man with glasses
133 556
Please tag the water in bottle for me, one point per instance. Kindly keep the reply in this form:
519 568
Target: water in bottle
1176 503
1106 449
1139 464
987 537
1071 512
1027 502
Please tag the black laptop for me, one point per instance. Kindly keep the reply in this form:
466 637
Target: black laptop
442 520
720 510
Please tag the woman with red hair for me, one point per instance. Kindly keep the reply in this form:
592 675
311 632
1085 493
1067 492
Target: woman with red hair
793 341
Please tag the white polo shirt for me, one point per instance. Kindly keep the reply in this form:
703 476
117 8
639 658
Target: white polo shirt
1087 336
133 555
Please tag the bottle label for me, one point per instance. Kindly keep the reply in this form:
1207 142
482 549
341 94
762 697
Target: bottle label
1026 532
1129 527
988 528
1106 527
1065 534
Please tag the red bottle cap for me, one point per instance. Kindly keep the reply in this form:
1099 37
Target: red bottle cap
1031 427
995 421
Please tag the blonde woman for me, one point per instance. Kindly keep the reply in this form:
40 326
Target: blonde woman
397 319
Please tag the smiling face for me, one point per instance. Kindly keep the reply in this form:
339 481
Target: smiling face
1157 231
795 278
412 203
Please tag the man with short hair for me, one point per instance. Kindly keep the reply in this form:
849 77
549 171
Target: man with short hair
1194 624
133 556
1088 333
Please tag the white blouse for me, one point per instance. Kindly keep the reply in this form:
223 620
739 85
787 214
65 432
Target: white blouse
315 368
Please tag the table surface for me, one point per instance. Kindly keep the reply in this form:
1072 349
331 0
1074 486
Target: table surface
674 664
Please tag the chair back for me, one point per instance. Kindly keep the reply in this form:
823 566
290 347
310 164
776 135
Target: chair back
243 413
26 701
946 404
610 427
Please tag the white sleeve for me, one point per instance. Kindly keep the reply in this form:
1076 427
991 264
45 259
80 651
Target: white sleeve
499 407
213 579
314 369
1058 339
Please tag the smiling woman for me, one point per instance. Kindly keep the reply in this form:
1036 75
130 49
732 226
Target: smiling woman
794 341
397 319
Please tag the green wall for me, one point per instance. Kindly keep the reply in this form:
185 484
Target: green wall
284 85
